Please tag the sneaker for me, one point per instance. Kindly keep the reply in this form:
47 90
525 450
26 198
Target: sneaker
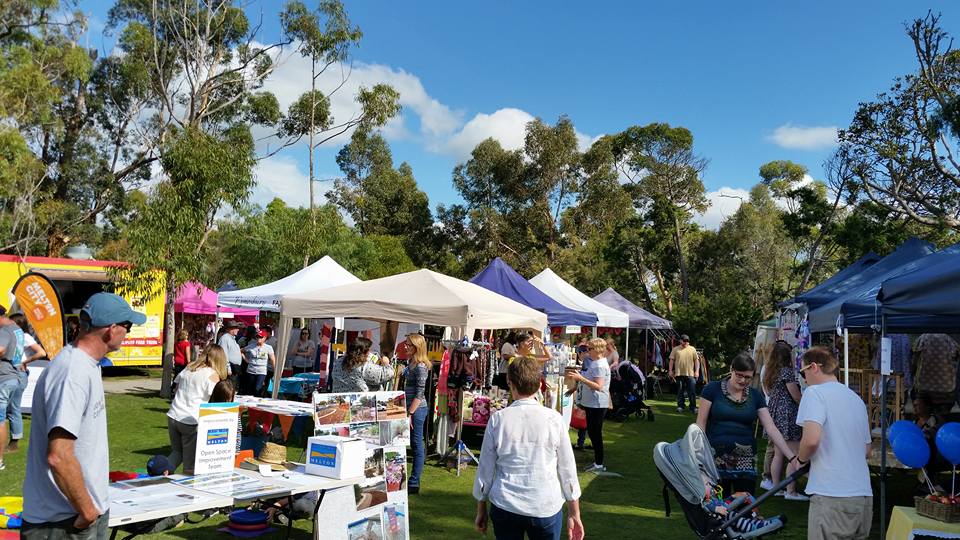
680 409
796 497
595 468
579 447
767 484
2 466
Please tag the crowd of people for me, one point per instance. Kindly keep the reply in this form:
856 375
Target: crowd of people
527 471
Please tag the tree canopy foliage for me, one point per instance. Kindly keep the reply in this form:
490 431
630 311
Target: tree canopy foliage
148 156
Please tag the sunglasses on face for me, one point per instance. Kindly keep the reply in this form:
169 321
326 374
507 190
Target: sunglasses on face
127 325
804 368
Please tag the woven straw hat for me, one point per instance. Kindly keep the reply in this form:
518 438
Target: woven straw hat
271 454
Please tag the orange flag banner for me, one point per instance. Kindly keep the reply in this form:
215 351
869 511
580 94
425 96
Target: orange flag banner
40 302
286 422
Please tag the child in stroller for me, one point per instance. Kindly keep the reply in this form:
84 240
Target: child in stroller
688 469
627 393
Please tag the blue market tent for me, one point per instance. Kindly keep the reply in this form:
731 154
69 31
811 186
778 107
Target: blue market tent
924 300
815 293
500 278
911 250
639 317
859 308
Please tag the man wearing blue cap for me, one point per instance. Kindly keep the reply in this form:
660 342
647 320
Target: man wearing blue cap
65 490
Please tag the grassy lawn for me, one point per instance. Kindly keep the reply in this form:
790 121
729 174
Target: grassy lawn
630 506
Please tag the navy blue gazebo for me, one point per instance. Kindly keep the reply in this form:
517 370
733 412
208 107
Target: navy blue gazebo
501 278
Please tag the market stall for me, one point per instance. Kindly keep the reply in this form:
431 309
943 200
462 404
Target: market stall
197 311
420 296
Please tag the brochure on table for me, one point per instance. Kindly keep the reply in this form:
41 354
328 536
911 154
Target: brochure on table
216 437
375 508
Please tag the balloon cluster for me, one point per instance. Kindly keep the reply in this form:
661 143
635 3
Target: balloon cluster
911 448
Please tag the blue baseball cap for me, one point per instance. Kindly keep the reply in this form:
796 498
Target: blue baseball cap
159 466
105 309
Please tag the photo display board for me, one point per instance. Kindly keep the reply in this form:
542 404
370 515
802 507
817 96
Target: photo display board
380 420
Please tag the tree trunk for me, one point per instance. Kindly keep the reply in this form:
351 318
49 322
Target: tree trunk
313 107
664 291
640 268
812 256
678 243
168 338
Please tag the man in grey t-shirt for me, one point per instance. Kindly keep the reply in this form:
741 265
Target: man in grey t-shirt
65 490
9 378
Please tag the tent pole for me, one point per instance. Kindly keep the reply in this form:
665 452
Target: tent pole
626 348
846 357
883 435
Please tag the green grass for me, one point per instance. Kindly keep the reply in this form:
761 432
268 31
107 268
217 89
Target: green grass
630 506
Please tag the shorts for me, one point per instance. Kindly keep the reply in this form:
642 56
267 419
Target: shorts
8 389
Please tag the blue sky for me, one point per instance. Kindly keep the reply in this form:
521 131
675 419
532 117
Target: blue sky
753 81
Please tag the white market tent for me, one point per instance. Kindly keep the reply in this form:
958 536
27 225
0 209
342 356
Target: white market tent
555 287
420 296
322 274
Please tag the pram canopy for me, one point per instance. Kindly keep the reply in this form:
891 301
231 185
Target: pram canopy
682 461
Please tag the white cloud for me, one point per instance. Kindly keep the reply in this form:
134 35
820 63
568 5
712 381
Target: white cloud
505 125
724 202
441 128
803 137
280 176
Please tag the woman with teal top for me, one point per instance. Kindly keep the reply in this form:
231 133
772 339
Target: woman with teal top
729 408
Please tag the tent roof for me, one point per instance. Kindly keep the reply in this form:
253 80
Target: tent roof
639 317
320 275
501 278
195 298
910 250
420 296
925 298
860 307
555 287
855 268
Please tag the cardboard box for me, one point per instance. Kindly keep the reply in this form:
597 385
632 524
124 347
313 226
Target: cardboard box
333 456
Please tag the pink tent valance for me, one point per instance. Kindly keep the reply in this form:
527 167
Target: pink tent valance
195 298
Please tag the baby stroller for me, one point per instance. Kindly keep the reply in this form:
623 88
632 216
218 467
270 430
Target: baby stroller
627 394
681 465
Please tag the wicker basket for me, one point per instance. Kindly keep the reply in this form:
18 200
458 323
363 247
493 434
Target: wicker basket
949 513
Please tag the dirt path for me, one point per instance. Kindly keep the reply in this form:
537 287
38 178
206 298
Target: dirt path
131 386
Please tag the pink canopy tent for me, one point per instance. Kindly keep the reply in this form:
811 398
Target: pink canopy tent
196 299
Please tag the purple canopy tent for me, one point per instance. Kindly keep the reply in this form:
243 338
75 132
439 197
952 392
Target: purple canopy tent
640 318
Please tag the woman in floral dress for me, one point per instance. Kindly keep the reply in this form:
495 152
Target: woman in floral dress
780 383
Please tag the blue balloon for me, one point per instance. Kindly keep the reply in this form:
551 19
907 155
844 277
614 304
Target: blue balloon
948 442
912 450
901 426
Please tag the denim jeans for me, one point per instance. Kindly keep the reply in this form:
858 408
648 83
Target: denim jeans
416 444
9 389
687 385
510 526
253 384
13 408
581 437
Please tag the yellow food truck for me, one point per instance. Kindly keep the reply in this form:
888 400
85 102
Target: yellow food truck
76 280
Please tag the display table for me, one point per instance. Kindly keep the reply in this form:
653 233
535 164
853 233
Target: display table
297 384
905 523
151 499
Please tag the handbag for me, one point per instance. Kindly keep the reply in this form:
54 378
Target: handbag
578 419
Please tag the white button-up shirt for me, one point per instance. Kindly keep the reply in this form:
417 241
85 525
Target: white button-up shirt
526 462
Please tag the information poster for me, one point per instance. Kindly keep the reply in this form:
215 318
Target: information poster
216 437
376 507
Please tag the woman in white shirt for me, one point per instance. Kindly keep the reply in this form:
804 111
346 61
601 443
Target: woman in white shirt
194 386
527 470
595 397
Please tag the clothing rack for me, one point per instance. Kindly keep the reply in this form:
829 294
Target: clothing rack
460 448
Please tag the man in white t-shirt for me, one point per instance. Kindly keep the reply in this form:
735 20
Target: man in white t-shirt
836 442
260 360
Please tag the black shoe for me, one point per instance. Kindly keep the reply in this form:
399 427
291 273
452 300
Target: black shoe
413 490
